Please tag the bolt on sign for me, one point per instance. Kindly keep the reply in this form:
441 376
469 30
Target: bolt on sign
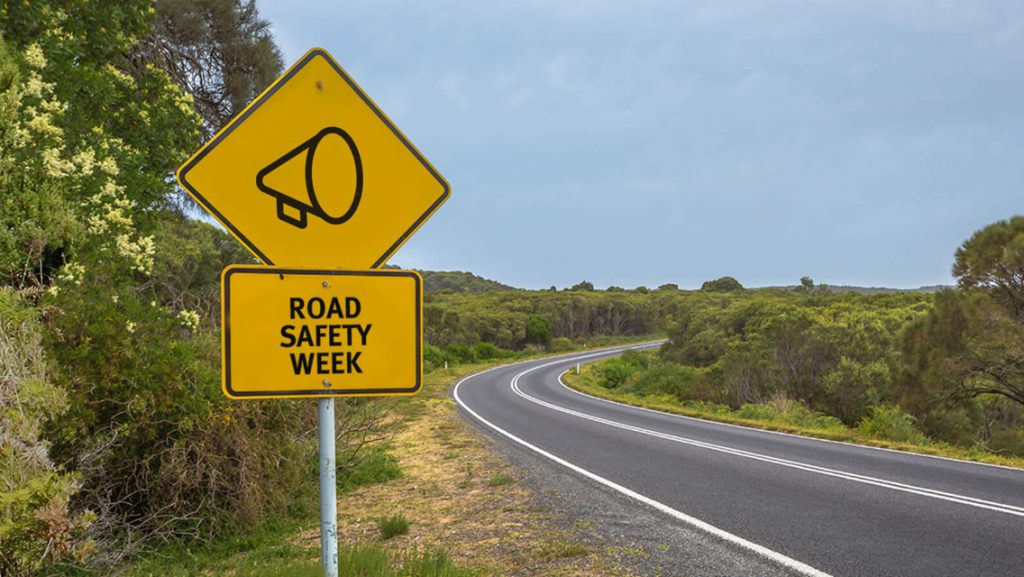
313 174
292 332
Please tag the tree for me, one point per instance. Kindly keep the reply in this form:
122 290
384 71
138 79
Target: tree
669 287
582 286
722 285
538 330
993 260
220 51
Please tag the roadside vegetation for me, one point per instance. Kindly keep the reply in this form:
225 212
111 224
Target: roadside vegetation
939 373
118 448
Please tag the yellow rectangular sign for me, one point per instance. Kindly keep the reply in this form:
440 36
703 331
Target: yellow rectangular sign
294 332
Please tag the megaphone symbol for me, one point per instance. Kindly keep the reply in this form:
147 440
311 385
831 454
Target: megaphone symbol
336 171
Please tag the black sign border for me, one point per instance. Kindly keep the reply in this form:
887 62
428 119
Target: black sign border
332 392
238 120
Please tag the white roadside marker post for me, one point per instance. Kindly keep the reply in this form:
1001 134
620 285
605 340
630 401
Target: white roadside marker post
328 489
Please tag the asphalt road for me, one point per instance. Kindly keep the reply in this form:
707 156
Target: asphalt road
804 506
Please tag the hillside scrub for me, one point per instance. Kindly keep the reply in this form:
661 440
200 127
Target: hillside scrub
909 368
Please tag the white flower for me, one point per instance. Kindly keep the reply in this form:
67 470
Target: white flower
55 165
109 166
35 86
85 161
43 124
34 56
72 273
129 326
190 319
139 252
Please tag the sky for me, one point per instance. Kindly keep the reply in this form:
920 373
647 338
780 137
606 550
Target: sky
645 142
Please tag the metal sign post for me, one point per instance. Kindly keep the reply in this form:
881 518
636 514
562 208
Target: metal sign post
311 165
328 489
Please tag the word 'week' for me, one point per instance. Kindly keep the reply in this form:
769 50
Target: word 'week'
337 332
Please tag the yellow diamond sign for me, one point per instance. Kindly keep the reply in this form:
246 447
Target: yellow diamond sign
312 173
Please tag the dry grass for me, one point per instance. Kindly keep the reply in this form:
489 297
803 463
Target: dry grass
449 495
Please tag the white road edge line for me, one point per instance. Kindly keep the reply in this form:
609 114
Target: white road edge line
884 483
784 434
855 477
765 552
896 485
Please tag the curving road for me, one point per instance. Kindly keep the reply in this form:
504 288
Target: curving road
788 504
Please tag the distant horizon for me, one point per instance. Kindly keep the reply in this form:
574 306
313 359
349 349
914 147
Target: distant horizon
649 143
681 287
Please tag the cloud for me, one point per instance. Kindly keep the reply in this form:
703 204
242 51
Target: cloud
759 139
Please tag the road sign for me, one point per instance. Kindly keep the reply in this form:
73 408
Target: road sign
313 174
292 332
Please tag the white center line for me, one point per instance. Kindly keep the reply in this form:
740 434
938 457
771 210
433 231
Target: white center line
855 477
774 556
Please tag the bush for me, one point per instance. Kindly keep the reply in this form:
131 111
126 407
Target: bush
538 330
614 372
37 529
435 358
666 379
561 345
784 410
1006 440
160 452
890 423
487 351
461 353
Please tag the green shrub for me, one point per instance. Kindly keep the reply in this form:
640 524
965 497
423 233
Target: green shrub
436 358
37 528
392 526
561 345
892 424
486 351
462 353
614 372
538 330
669 379
783 410
1003 439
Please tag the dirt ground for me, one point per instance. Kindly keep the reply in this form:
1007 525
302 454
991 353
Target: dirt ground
461 496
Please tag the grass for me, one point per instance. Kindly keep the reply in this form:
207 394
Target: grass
359 561
378 465
821 428
562 549
392 526
254 553
289 546
500 480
